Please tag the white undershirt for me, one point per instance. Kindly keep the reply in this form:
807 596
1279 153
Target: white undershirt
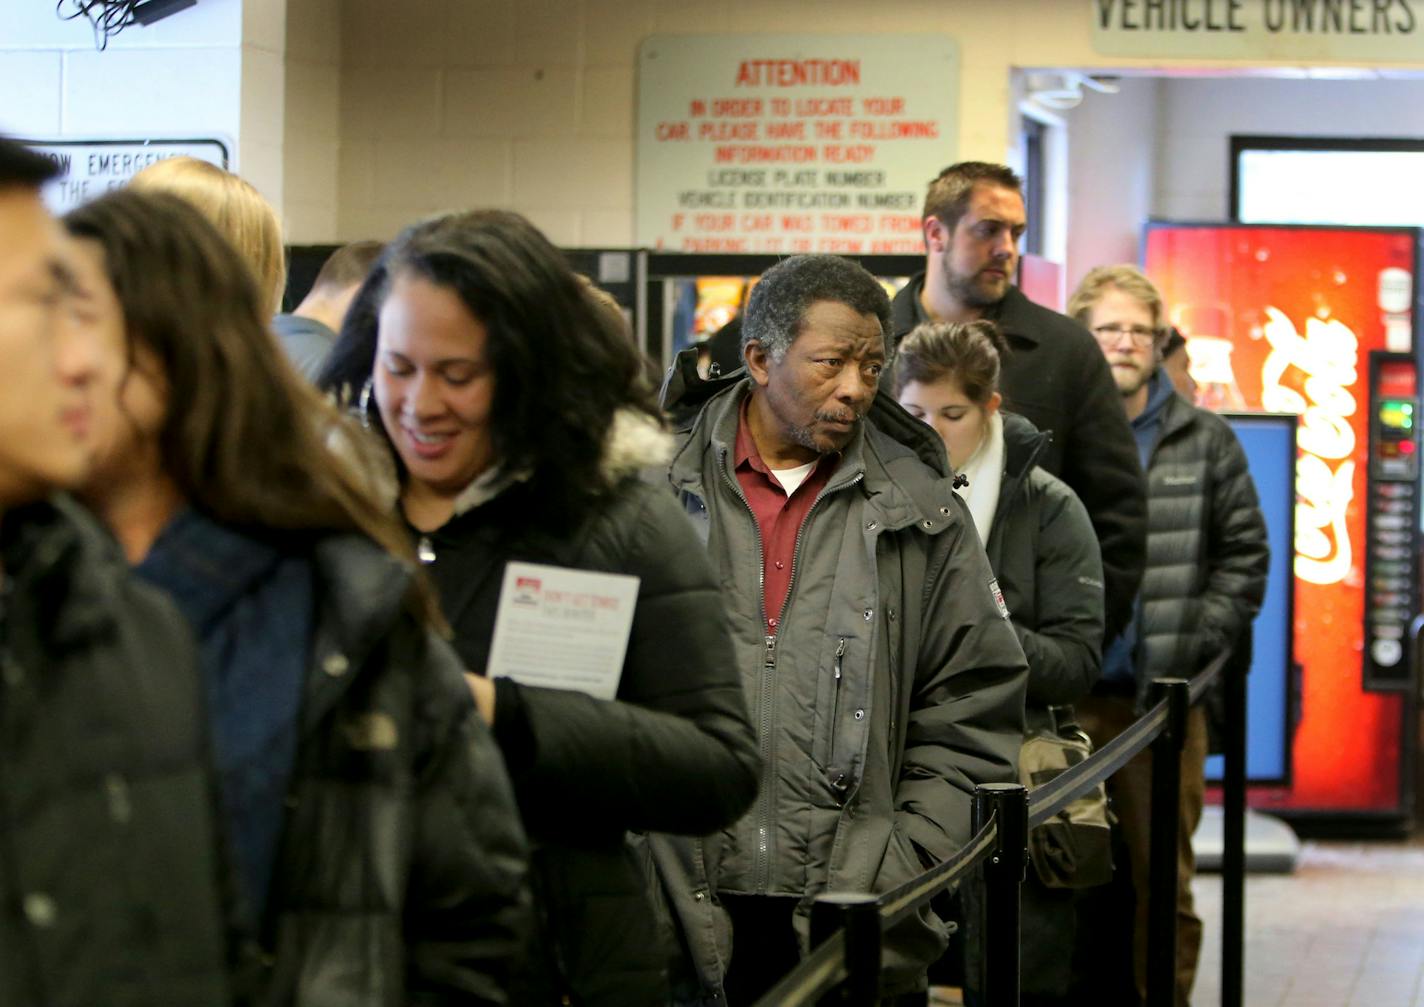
791 479
985 472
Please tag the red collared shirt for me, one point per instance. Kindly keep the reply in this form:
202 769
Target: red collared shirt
778 516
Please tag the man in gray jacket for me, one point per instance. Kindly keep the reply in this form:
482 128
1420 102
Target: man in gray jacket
1206 575
880 668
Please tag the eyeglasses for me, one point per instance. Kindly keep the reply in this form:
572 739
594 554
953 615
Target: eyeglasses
1141 335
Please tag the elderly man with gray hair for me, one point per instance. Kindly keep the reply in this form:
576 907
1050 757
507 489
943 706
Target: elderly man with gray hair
879 665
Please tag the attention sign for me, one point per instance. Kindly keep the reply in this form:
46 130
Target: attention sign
792 143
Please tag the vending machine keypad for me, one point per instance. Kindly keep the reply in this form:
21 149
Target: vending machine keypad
1392 574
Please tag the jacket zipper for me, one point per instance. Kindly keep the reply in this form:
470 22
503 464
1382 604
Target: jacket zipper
761 866
765 687
836 700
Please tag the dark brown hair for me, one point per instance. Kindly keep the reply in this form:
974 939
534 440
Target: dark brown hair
244 438
949 194
21 167
969 352
563 363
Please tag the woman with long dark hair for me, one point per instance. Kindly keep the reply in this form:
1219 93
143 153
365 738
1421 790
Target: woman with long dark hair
518 418
376 853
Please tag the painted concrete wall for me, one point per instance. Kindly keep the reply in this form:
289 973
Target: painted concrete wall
530 104
212 71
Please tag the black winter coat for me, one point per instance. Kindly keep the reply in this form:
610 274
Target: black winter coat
401 871
676 752
1057 377
109 868
1043 551
1207 552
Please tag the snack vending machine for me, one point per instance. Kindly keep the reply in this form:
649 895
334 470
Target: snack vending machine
1320 322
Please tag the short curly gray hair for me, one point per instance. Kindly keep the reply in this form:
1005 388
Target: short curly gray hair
779 301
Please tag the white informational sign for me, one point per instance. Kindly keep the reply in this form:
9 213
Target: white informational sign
563 629
90 168
1296 30
792 143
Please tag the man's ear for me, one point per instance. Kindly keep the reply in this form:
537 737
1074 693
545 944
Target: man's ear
758 362
937 235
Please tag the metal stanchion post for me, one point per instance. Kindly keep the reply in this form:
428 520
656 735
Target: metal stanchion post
1007 804
1233 860
1166 820
859 916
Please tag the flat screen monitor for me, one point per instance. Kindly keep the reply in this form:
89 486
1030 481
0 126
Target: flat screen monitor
1355 182
1269 442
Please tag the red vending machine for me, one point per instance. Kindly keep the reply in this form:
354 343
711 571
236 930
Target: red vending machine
1319 322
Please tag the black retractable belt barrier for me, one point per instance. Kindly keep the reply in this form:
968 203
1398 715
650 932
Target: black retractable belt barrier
1166 820
1233 854
818 973
857 916
847 928
1007 805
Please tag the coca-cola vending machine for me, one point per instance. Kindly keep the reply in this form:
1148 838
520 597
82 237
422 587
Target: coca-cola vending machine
1320 322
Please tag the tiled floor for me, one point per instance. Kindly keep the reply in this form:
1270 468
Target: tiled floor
1345 930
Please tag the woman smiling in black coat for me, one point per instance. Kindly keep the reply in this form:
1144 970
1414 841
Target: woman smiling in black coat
519 418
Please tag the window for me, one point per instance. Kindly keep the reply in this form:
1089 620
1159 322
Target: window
1033 142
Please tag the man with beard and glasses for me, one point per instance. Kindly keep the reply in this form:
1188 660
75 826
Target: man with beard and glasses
1053 375
879 665
1205 578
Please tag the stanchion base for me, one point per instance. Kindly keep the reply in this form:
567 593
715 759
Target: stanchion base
1271 846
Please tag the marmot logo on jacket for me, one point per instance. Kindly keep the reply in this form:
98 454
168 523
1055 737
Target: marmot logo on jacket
998 597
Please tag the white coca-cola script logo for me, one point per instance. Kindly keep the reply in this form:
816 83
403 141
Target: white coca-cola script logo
1321 371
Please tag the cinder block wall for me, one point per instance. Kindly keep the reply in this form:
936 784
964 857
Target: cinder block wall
525 104
530 104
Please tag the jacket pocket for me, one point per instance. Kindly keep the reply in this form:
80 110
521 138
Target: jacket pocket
824 704
837 681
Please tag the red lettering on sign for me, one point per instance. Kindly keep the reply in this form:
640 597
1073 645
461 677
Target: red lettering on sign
797 72
883 106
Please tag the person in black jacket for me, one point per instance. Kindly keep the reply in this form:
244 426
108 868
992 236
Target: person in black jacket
111 884
519 418
1053 375
375 848
1041 548
1205 579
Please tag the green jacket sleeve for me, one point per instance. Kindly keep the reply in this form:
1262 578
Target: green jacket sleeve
966 713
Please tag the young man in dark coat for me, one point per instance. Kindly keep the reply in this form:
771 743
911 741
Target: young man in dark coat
108 867
1206 575
1053 374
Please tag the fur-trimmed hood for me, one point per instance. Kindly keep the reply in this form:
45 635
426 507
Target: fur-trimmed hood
634 442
